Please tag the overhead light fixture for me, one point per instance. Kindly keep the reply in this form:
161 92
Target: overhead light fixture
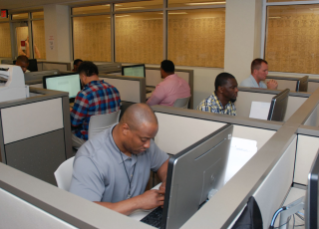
274 17
123 16
149 19
133 7
118 5
204 3
204 17
176 13
107 5
313 8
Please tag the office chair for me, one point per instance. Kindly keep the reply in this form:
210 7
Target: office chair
101 122
63 175
183 102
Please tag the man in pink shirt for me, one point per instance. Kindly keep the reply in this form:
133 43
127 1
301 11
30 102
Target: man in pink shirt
171 88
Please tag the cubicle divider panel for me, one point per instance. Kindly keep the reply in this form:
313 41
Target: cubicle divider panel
40 205
245 98
290 84
307 149
313 119
272 192
17 213
313 86
177 132
60 67
152 77
38 156
30 120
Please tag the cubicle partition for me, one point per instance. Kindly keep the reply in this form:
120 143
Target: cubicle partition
153 77
247 95
291 82
44 65
35 133
109 68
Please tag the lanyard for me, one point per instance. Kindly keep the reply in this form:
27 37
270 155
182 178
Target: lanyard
128 177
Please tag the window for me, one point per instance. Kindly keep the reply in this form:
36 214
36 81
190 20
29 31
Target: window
92 38
38 40
139 37
179 3
142 5
197 37
292 41
5 40
91 9
20 16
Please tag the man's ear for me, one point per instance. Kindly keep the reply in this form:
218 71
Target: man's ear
220 89
125 129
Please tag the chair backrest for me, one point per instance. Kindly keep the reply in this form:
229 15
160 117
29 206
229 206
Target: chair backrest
183 102
63 175
100 122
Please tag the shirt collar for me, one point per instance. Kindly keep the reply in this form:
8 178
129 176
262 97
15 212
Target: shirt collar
254 81
117 151
95 82
170 76
219 103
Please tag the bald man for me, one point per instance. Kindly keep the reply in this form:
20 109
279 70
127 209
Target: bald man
113 168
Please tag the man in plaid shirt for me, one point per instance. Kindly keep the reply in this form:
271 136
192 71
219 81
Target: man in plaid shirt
97 97
223 99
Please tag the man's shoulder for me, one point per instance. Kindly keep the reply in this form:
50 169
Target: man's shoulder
246 82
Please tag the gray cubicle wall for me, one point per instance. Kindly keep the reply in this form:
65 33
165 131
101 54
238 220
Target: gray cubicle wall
247 95
153 77
44 65
35 133
107 68
291 82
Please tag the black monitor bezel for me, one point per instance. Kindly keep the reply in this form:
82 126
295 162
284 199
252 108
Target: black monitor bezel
60 75
136 65
170 170
273 102
302 80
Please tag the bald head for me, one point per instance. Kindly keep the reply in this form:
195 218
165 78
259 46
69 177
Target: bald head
137 115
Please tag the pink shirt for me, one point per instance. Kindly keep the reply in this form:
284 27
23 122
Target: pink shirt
169 90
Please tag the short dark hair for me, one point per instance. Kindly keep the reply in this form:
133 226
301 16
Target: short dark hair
23 59
77 61
88 68
256 64
222 79
168 66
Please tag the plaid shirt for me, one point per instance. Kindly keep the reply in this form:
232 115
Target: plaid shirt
97 97
213 105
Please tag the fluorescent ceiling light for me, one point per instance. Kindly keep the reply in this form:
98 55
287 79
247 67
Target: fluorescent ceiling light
133 7
106 5
313 8
118 5
123 16
204 3
204 17
274 17
176 13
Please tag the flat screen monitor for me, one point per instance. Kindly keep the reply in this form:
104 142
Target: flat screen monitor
311 205
192 174
67 82
278 106
302 84
134 70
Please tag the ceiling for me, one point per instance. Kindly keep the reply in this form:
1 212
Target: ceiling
17 5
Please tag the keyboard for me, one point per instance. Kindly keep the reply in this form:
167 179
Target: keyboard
154 218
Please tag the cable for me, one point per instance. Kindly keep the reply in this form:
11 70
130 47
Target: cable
293 227
275 216
288 220
302 218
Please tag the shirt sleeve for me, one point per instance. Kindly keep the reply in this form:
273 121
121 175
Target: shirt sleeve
158 157
79 111
157 96
86 180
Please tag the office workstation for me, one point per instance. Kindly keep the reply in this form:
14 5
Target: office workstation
273 159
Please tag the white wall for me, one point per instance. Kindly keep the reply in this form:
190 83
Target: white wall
242 36
57 26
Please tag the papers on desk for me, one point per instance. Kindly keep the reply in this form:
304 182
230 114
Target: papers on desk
259 110
240 152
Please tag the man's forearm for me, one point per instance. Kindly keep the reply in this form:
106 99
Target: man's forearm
125 207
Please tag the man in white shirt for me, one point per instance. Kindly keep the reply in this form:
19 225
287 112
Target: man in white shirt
259 72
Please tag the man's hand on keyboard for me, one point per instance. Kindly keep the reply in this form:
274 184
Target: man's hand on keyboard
151 199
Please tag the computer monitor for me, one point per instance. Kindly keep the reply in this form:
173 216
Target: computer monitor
134 70
311 204
33 65
278 106
67 82
192 174
302 84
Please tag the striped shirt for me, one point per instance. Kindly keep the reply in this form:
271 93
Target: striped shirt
212 104
97 97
